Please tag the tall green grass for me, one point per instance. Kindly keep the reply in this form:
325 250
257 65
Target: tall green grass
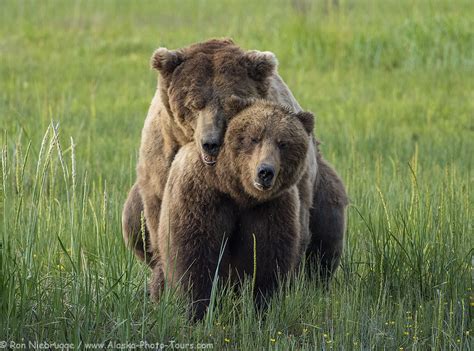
390 83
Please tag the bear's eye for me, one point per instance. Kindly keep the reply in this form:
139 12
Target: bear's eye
282 145
254 140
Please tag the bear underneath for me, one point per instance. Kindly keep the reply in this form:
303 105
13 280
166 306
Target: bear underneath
210 215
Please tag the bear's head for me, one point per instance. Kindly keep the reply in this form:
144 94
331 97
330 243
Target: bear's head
266 145
196 80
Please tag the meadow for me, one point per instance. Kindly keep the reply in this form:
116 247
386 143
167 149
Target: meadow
391 83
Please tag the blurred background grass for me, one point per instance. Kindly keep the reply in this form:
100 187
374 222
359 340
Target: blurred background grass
391 85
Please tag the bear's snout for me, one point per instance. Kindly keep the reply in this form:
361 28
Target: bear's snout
211 146
210 149
265 177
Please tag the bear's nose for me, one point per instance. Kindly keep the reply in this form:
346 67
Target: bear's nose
266 173
211 146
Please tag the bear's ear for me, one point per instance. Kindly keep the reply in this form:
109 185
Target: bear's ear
226 41
307 119
165 61
260 64
235 104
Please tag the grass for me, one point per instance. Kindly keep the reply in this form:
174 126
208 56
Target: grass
391 84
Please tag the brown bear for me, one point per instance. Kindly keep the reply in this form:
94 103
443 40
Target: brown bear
209 215
188 106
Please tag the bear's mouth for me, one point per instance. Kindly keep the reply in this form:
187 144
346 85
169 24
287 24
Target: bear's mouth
208 159
262 187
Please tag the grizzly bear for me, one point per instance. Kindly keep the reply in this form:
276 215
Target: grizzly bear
188 107
209 215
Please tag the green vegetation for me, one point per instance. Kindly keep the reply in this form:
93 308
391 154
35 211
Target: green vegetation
392 85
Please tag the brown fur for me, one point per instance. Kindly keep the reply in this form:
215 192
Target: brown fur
327 221
206 208
130 219
188 107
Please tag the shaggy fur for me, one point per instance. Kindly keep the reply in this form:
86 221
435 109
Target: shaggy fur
205 209
188 107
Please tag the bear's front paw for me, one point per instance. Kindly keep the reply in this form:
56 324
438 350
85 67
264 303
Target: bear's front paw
156 284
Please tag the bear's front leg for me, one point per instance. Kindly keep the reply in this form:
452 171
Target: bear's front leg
157 282
194 225
197 262
193 248
269 233
134 229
